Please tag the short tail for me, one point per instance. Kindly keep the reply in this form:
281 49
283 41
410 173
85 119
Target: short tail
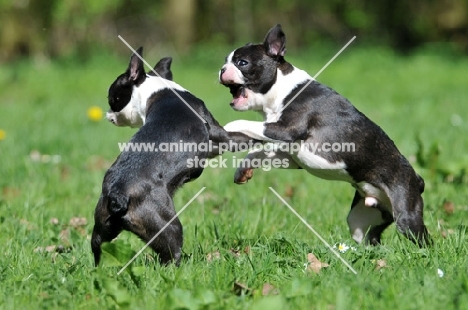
107 221
96 242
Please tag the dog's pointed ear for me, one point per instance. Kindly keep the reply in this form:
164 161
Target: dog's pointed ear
163 68
275 42
136 70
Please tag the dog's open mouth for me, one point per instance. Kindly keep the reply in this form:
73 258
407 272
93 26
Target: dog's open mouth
239 94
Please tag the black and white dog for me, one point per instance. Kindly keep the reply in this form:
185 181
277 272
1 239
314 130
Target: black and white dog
138 188
128 108
387 187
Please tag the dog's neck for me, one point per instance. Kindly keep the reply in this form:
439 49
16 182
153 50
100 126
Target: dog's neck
142 93
270 105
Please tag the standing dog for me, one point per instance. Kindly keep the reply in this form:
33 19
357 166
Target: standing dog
387 187
138 188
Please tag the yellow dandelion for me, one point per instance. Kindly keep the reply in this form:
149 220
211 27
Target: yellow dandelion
2 134
95 113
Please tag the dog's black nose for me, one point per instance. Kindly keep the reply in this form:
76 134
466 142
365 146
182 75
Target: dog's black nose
222 70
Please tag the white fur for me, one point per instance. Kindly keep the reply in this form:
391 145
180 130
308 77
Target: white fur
322 168
361 218
231 73
313 163
271 150
273 101
126 117
371 202
271 104
134 113
251 128
373 195
229 58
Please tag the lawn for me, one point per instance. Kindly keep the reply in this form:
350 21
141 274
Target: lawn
243 248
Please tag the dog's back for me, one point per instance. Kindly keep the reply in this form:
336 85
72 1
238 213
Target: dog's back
138 188
337 141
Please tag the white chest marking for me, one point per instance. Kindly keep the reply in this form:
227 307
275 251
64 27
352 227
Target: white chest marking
274 100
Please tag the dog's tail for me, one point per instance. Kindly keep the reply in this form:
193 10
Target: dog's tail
107 221
96 241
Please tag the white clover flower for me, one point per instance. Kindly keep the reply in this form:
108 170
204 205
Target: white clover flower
440 273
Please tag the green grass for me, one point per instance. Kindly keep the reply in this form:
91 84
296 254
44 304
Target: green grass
43 109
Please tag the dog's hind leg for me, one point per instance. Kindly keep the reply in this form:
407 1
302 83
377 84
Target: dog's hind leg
151 217
106 227
375 232
367 223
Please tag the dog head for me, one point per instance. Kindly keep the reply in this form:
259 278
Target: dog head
250 71
127 108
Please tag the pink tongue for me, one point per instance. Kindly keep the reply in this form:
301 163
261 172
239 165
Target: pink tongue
240 98
238 101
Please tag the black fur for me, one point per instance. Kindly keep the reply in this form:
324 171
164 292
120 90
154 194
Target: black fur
318 115
138 188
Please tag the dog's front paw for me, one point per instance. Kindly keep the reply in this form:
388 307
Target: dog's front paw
234 126
243 175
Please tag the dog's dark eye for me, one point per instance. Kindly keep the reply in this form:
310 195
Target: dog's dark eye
242 62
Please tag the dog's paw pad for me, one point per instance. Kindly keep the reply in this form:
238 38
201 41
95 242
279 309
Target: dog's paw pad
242 176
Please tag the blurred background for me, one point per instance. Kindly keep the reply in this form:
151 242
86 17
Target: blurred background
55 28
407 71
58 58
